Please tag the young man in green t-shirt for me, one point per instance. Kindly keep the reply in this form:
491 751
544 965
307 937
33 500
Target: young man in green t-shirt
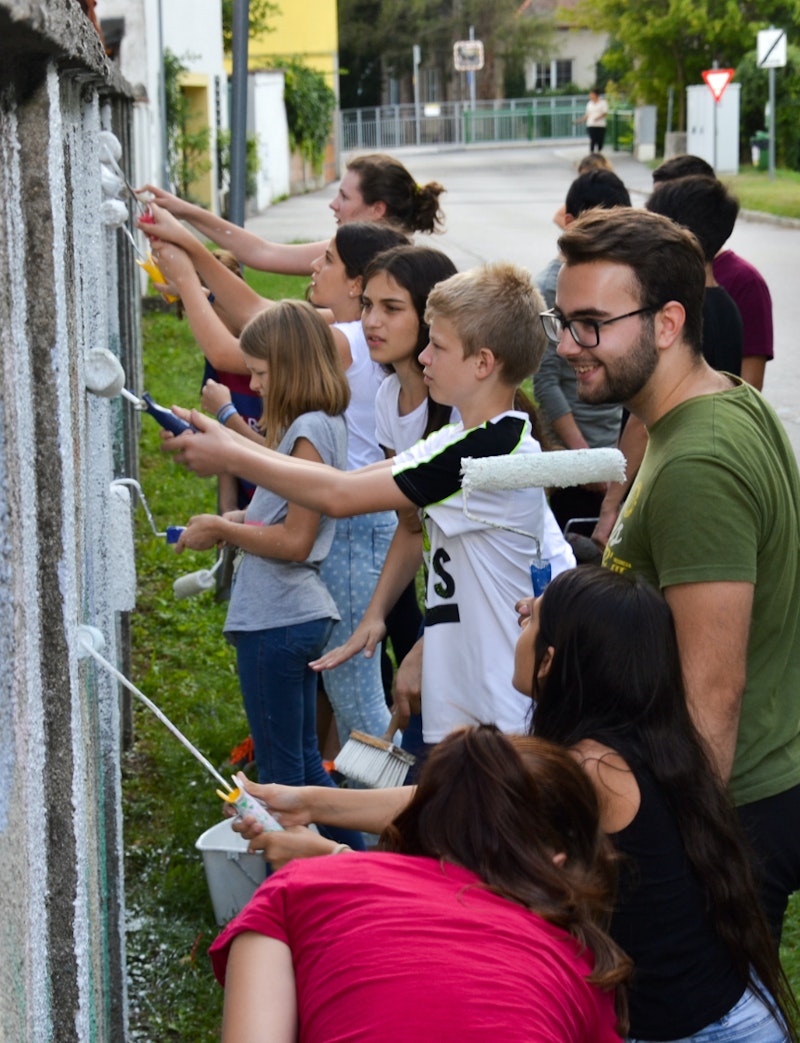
713 518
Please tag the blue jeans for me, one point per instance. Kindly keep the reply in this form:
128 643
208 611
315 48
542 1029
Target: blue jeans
350 572
748 1021
280 700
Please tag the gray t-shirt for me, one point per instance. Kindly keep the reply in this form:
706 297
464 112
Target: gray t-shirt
268 592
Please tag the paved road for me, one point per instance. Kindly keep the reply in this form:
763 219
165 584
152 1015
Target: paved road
499 204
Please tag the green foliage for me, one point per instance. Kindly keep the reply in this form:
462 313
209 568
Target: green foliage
754 98
260 12
187 149
310 103
390 28
669 44
251 163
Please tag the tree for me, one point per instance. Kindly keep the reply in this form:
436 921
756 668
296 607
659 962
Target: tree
755 94
668 44
260 12
390 28
309 103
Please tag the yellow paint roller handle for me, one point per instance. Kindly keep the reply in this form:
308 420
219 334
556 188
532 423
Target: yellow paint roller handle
152 269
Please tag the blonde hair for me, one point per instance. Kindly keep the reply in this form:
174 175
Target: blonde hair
495 306
305 371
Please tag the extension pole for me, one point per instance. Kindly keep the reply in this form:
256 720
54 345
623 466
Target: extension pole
241 29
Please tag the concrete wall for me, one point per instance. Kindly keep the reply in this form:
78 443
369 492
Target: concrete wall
66 286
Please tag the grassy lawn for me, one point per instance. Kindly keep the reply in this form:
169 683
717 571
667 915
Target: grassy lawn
755 191
181 661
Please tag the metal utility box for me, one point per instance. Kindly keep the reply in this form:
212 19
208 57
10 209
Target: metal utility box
701 122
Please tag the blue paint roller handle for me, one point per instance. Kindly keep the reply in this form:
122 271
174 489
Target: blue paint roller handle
541 575
165 417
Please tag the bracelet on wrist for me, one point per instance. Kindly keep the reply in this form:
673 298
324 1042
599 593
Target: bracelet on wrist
340 848
224 413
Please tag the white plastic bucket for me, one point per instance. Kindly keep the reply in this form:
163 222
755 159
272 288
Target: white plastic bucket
231 873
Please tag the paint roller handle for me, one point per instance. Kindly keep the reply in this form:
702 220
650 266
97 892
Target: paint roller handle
248 805
165 417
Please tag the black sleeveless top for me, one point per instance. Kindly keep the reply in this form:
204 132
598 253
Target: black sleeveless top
684 978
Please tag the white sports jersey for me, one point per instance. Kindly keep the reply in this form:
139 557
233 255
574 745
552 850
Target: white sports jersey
476 574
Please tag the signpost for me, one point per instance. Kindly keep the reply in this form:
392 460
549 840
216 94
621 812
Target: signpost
771 54
468 58
717 80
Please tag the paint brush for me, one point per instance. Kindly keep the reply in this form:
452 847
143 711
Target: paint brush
375 762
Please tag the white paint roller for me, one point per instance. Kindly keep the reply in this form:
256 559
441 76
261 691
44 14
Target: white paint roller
195 582
121 558
104 375
544 470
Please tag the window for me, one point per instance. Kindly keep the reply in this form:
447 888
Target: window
562 73
553 74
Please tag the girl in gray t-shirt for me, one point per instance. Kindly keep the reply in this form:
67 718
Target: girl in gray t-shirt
280 612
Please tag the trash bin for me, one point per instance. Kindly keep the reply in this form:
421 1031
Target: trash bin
759 147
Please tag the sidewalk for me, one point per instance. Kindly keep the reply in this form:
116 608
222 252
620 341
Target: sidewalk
500 202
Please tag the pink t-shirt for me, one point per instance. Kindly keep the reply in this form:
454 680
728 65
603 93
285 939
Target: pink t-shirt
395 948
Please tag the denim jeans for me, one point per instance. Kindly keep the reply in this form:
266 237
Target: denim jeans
748 1021
350 572
280 700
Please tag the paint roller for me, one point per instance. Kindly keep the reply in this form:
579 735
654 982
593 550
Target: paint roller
541 470
104 376
91 643
196 582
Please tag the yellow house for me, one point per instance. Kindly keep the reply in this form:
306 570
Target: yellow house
304 29
307 30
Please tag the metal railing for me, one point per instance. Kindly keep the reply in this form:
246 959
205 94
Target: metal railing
457 123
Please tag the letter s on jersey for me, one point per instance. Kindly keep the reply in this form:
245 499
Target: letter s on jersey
445 586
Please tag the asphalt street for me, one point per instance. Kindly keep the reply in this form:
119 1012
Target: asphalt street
499 205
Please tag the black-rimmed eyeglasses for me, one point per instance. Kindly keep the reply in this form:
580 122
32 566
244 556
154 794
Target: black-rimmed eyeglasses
585 332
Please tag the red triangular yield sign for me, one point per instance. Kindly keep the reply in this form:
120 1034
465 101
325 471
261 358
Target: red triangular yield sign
718 80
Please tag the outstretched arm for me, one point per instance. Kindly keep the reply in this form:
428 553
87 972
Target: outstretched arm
249 249
368 809
211 449
239 302
214 338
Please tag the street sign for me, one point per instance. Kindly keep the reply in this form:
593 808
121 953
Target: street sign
468 55
717 80
771 49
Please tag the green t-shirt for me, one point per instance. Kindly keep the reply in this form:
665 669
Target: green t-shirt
718 498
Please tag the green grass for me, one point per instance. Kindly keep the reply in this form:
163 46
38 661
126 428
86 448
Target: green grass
182 662
756 191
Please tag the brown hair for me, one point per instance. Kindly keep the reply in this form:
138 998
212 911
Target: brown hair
495 306
305 371
502 806
382 179
664 260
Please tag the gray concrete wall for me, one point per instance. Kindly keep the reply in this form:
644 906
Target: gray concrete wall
66 286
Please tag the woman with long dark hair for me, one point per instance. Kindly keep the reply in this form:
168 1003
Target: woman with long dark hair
481 917
601 650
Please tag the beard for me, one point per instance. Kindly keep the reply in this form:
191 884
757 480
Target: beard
626 377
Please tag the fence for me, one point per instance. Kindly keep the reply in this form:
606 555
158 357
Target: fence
457 123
